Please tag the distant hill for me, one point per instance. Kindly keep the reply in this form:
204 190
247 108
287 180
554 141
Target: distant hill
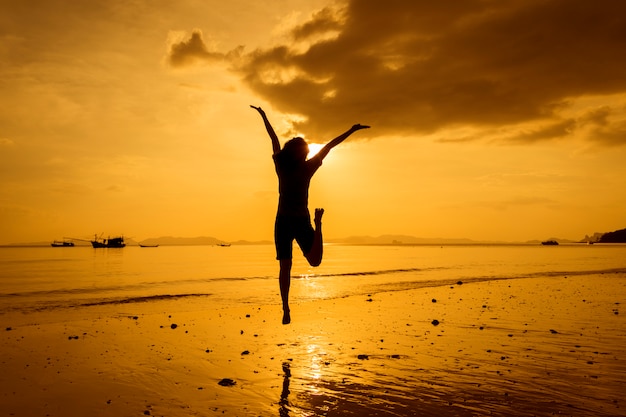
618 236
182 241
255 242
401 240
593 238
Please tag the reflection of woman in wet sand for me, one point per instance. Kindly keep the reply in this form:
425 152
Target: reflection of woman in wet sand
293 220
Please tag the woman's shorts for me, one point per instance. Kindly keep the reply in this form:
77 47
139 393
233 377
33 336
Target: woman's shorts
288 228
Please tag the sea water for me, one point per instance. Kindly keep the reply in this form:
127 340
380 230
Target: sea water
41 278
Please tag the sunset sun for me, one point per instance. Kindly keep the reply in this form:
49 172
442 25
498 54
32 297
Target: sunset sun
314 148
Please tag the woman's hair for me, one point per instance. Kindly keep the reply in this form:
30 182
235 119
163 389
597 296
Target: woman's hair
293 153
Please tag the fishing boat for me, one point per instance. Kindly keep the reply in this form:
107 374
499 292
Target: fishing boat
112 242
148 246
62 244
550 243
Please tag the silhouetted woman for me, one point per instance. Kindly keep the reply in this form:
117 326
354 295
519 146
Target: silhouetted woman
293 220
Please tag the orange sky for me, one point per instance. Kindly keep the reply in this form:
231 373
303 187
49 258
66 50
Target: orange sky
490 120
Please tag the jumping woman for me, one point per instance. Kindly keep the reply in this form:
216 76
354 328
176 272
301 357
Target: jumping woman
293 220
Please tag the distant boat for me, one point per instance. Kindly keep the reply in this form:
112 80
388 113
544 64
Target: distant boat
223 244
550 243
112 242
148 246
63 244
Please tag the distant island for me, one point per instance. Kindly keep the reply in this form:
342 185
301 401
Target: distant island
181 241
618 236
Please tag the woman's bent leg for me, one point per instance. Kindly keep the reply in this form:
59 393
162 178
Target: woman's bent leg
317 250
284 281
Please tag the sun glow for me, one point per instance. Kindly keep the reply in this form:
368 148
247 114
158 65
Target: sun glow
314 148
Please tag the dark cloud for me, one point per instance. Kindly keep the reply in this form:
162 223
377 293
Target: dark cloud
603 126
192 51
325 21
417 66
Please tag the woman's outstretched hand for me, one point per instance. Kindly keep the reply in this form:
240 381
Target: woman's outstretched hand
359 127
260 110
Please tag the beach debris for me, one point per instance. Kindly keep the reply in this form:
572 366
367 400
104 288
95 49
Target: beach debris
434 300
553 331
8 329
369 300
174 325
227 382
245 352
247 316
363 357
435 322
72 337
459 283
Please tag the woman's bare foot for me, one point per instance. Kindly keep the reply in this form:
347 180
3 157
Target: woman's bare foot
286 317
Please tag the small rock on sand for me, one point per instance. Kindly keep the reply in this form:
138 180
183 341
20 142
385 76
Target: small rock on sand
227 382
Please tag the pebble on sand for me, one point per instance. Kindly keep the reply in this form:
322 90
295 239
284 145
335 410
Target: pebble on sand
435 322
227 382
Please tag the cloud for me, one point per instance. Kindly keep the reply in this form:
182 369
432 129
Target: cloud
6 142
193 51
520 202
605 125
418 67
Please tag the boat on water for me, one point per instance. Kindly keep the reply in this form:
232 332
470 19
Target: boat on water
112 242
148 246
62 244
550 243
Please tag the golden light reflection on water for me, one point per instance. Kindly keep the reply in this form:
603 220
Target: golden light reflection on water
487 339
312 287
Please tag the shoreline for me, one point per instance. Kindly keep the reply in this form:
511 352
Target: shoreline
531 346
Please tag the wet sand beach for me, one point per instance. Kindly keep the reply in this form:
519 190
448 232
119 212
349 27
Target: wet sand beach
517 347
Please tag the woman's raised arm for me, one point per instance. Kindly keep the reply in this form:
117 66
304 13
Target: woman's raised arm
270 130
324 151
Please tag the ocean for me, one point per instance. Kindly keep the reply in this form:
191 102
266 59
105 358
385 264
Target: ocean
454 330
46 278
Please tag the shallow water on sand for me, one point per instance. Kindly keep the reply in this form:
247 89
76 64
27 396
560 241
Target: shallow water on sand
45 277
387 331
